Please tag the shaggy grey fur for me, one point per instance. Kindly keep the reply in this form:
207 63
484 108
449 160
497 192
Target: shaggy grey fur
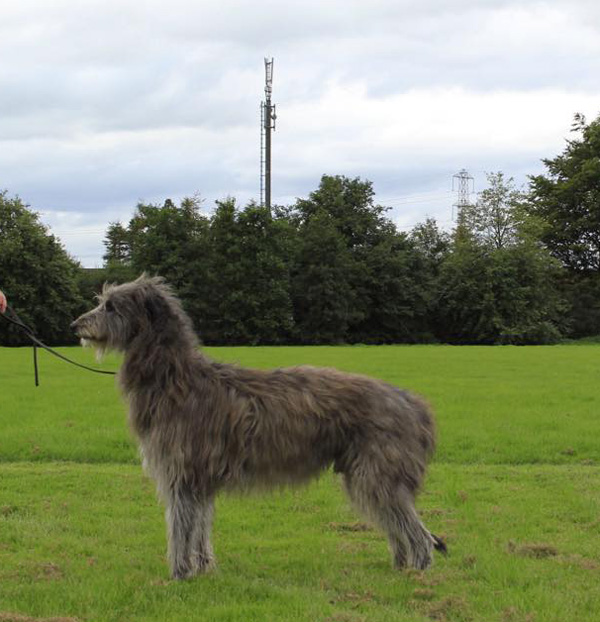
204 426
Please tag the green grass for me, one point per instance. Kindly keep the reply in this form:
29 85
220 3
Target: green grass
514 488
516 405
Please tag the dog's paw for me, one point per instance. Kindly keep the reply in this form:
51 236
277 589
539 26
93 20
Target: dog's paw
199 565
182 573
204 564
439 545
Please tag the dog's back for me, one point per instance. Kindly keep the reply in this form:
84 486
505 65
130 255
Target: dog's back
287 425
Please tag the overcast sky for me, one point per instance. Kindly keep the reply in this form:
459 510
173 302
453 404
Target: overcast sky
105 103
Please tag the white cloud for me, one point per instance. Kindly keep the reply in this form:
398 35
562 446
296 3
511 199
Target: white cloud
349 127
105 103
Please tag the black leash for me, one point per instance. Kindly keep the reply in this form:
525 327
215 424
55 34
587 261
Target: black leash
16 320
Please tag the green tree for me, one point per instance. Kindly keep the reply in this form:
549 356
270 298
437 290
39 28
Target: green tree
117 243
222 322
528 305
350 204
90 282
393 288
264 268
464 305
37 275
431 246
168 240
164 238
359 277
250 276
324 298
497 284
566 201
117 257
496 217
430 242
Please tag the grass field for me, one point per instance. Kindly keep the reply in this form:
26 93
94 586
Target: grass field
514 488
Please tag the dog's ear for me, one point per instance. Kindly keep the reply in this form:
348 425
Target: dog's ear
156 308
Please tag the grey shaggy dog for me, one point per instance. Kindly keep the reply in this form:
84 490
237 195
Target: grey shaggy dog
204 427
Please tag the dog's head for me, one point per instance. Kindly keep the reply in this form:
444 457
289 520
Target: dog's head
127 311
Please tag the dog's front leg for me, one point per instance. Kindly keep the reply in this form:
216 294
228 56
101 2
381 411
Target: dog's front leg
202 554
181 522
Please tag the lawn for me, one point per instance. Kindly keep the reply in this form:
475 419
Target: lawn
514 489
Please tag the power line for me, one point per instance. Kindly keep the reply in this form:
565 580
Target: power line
429 199
413 195
77 232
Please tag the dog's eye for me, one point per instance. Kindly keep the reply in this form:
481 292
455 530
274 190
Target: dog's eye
109 306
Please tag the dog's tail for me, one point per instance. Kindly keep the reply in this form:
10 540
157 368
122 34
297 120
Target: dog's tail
439 545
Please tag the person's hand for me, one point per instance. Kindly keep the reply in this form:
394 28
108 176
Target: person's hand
2 302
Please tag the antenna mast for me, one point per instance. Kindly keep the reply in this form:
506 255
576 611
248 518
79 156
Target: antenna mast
267 123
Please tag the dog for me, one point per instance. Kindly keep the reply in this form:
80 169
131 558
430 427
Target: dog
205 427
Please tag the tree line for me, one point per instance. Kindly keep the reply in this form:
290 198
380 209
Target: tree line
519 266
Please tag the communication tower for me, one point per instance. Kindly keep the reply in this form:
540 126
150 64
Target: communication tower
267 124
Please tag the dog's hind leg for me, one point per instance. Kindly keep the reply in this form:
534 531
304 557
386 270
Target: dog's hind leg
410 541
181 516
392 508
202 553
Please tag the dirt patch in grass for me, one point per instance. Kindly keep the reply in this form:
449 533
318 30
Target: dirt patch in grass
446 609
345 617
468 561
426 579
424 594
48 572
352 547
582 562
17 617
512 614
9 510
355 598
533 549
427 513
350 527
